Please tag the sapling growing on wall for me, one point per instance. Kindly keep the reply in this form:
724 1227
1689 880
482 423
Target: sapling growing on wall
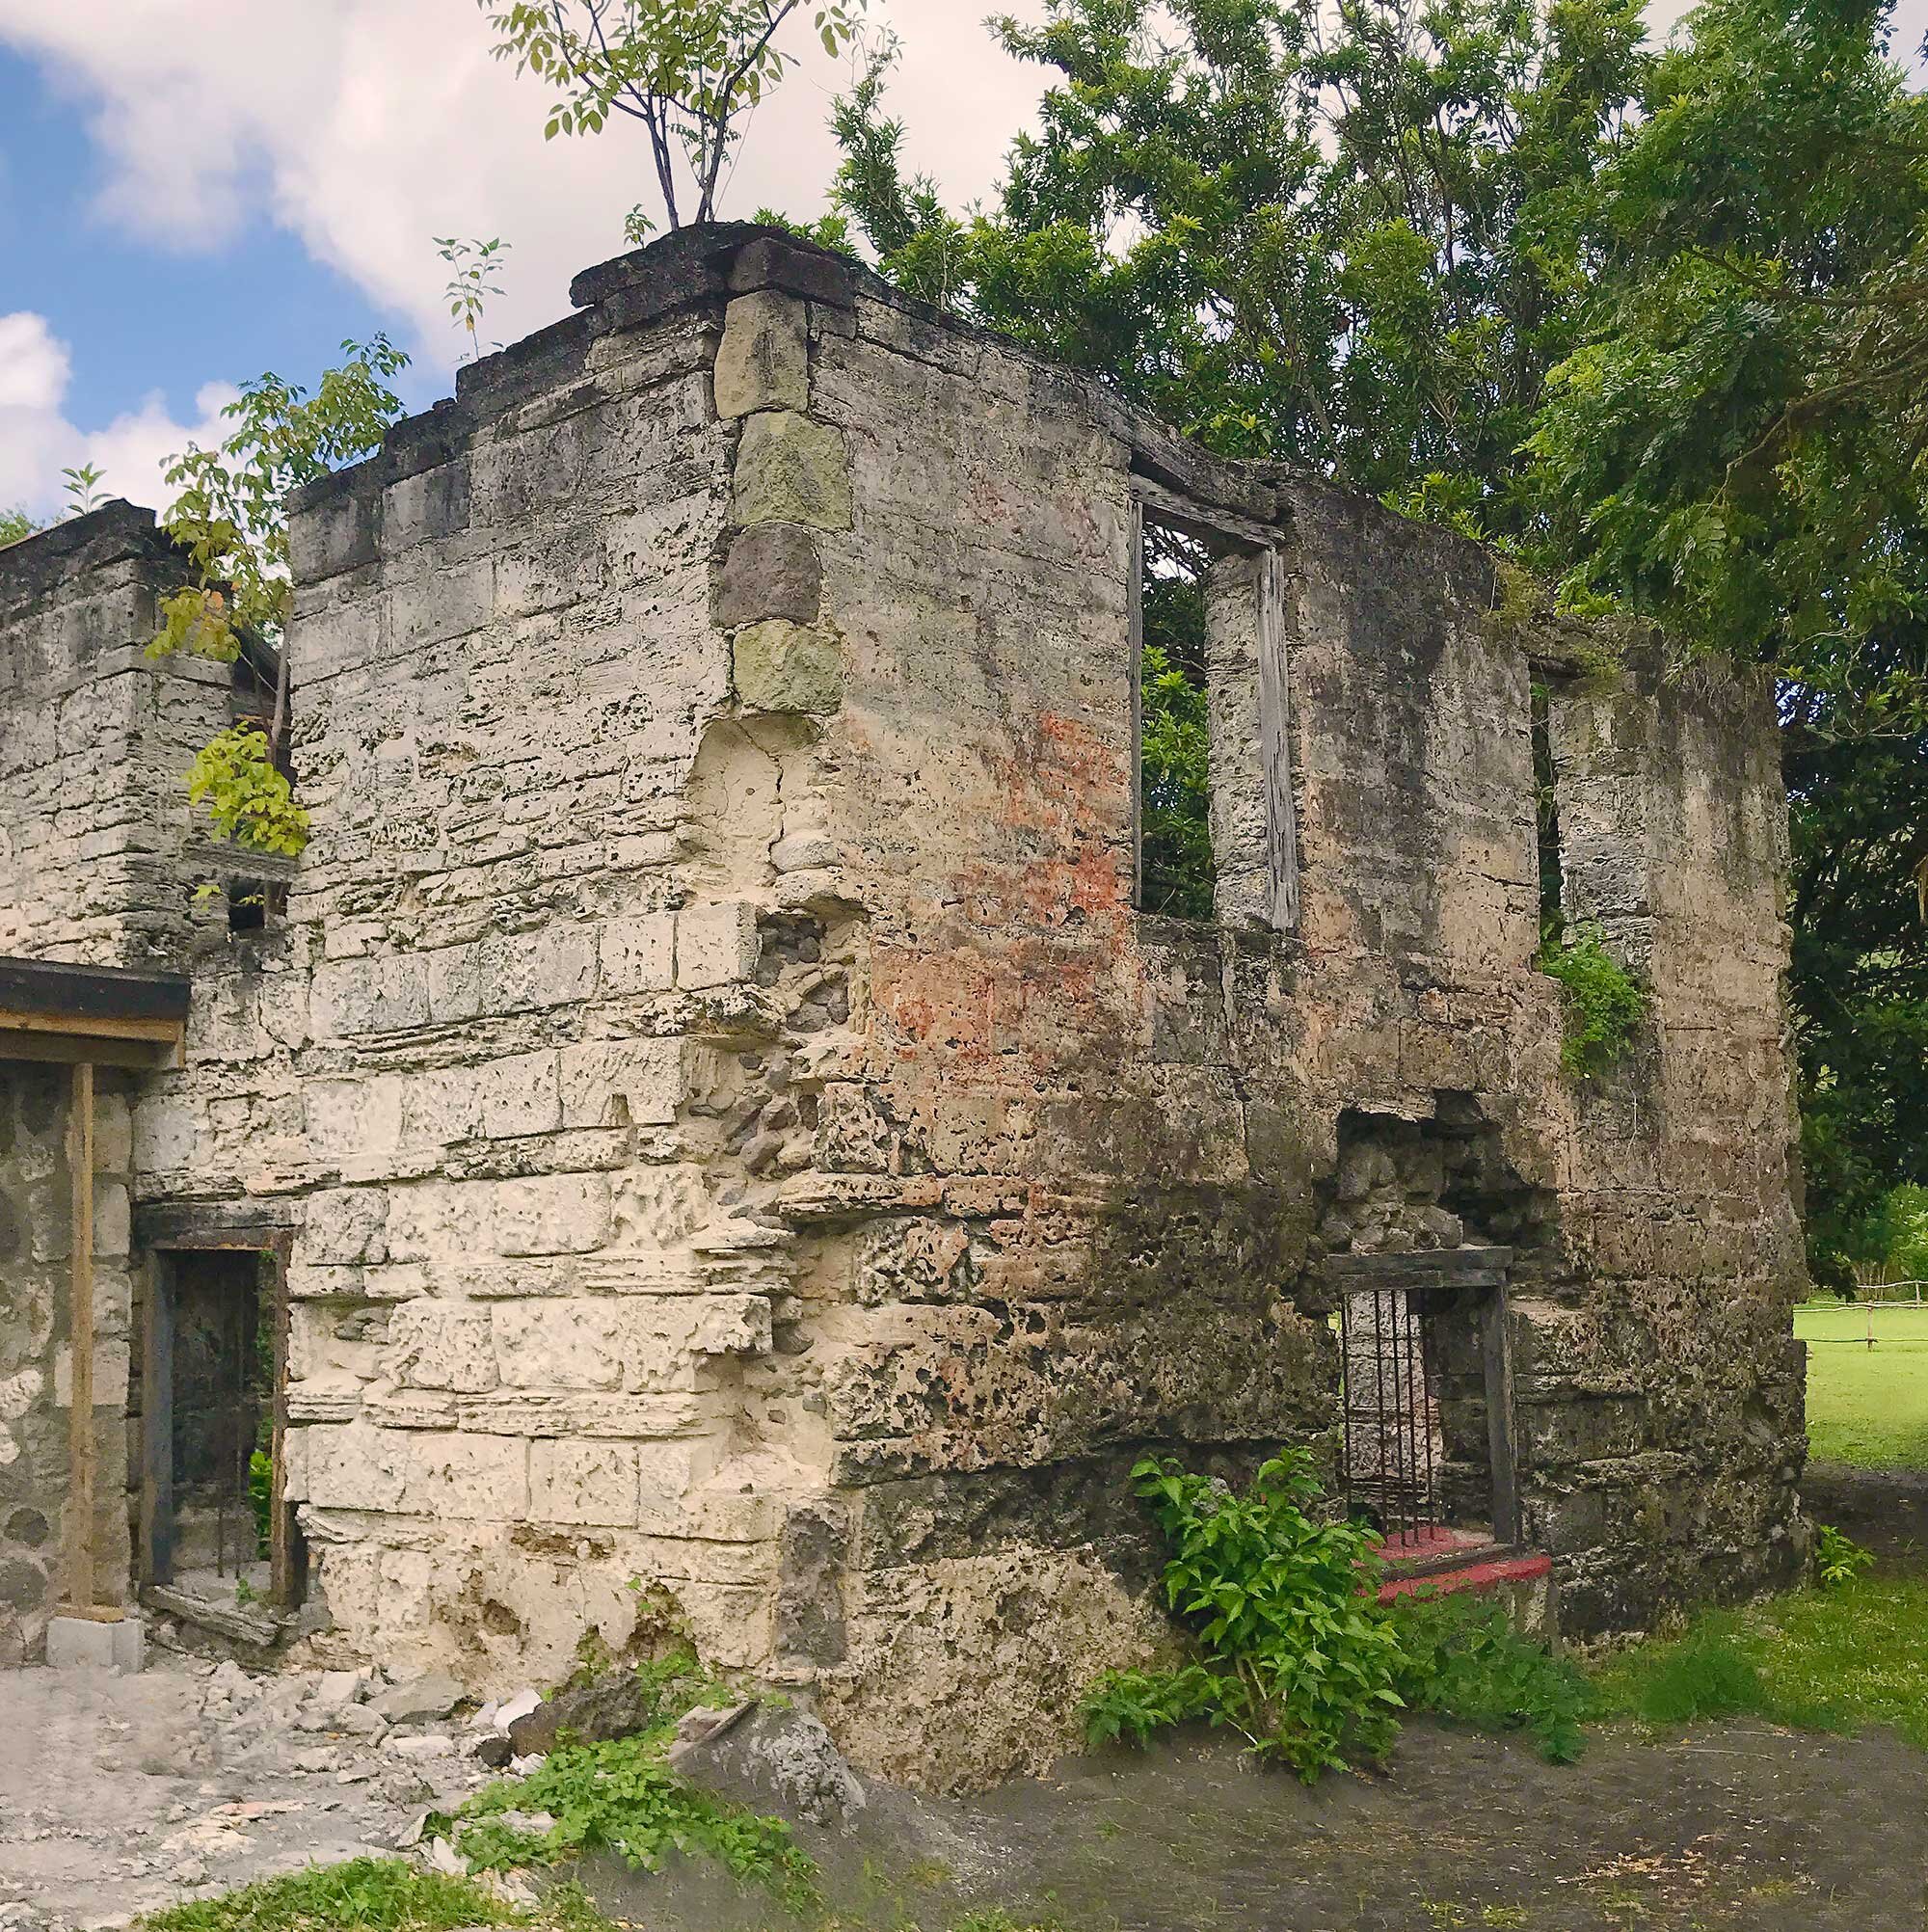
475 269
689 72
230 517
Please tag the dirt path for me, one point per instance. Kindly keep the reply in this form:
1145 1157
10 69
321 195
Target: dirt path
1730 1828
118 1794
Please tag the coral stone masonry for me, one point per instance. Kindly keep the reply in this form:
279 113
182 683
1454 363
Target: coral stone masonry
721 1148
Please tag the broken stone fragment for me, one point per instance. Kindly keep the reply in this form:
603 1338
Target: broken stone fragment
616 1705
434 1695
781 1761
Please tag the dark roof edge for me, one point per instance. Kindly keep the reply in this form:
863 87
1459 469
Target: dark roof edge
57 989
117 531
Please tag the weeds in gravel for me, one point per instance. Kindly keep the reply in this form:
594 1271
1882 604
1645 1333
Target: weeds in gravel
620 1797
369 1895
1827 1659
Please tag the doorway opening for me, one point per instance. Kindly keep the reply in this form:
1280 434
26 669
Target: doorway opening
209 1372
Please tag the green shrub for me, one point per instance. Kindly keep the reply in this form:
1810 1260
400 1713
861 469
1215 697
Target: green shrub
1295 1653
1605 1004
1295 1650
1462 1659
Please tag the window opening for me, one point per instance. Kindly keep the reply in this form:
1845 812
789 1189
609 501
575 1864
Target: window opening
1546 819
1177 874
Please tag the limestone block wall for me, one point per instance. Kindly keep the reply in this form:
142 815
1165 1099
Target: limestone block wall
95 743
738 1137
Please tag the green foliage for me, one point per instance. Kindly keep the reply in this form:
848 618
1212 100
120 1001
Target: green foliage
475 269
1605 1004
690 71
246 796
1292 1654
366 1894
619 1797
229 510
1462 1659
15 525
261 1497
1293 1649
1838 1559
1835 1659
82 488
1175 750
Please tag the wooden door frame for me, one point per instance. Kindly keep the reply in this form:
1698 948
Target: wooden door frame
167 1239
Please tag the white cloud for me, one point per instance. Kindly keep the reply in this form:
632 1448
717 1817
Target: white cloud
32 363
367 126
36 439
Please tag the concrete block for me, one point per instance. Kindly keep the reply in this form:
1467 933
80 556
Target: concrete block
80 1642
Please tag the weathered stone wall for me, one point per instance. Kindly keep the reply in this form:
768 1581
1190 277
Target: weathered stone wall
35 1242
94 741
737 1135
98 863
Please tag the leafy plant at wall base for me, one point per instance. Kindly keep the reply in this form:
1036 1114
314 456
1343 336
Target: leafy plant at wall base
1462 1659
261 1497
1838 1559
1296 1655
1605 1004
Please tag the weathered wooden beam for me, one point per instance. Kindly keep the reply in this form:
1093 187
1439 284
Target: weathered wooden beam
65 1049
1276 737
81 1446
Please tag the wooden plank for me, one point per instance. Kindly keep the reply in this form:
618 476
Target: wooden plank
1212 526
283 1538
56 987
1497 1357
93 1026
198 1226
1276 737
1134 591
157 1424
81 1470
70 1049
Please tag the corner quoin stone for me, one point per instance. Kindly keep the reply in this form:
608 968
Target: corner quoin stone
764 359
793 470
782 666
771 571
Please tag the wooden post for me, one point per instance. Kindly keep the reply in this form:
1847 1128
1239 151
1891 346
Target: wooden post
1275 742
80 1502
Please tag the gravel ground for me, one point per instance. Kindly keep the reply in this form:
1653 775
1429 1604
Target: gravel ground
119 1794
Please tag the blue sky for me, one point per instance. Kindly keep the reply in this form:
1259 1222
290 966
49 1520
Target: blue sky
140 317
194 191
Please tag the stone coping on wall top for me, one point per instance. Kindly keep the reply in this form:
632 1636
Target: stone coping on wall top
58 989
36 564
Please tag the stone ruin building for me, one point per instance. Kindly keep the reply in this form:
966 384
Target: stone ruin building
707 1139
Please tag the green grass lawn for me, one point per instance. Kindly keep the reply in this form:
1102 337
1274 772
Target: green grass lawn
1815 1659
1866 1406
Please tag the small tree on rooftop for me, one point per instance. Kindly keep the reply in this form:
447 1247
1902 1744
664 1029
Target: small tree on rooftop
230 517
689 71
